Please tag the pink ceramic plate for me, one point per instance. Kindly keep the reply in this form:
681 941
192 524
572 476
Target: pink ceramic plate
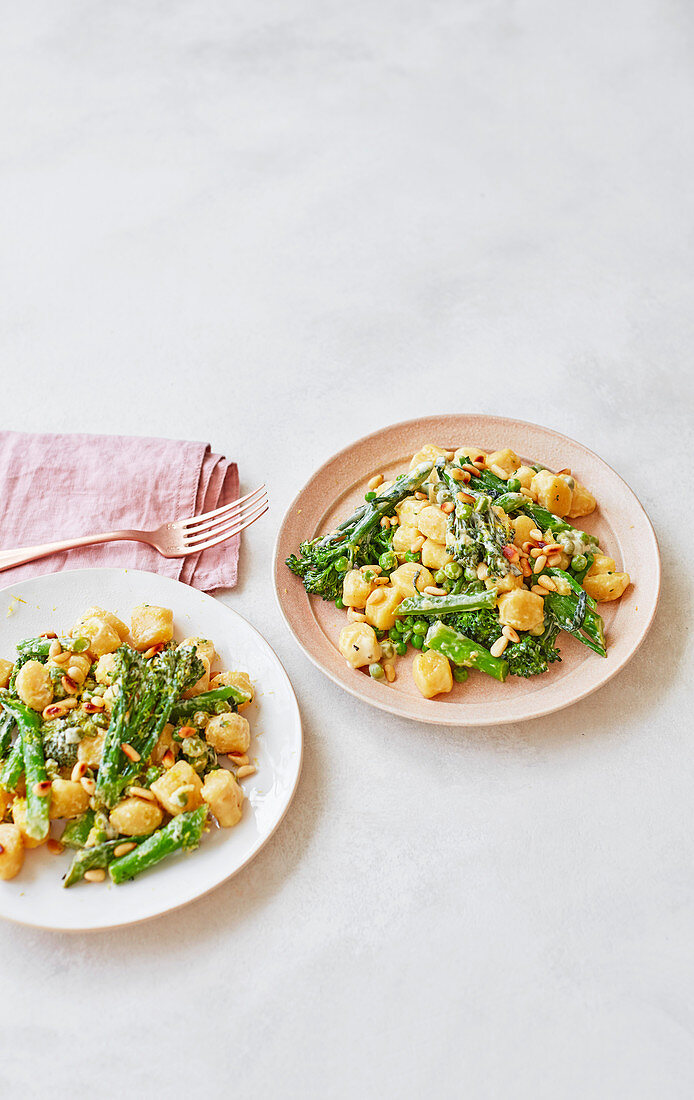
623 527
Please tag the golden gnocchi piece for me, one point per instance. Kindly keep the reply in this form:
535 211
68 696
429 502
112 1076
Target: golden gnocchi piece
90 749
105 667
68 799
359 645
403 539
180 788
165 744
432 674
408 575
5 672
582 502
228 732
522 526
521 609
11 852
601 564
356 589
432 523
470 451
19 817
203 647
381 607
224 796
408 510
552 492
102 637
525 475
507 460
150 625
34 686
139 816
604 587
106 616
434 555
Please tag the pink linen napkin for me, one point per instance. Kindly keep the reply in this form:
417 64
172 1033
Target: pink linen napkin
62 486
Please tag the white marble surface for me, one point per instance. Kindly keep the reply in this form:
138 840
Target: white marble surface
278 226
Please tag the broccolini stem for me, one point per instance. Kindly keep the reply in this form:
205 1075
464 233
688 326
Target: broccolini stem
579 620
182 833
207 701
87 859
14 765
77 830
6 724
29 723
448 605
462 651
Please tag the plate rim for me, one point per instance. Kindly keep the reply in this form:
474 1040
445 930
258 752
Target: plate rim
434 719
96 928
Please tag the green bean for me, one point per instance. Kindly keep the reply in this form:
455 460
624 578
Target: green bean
428 606
77 830
462 651
29 723
88 859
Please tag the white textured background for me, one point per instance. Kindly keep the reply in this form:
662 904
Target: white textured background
278 226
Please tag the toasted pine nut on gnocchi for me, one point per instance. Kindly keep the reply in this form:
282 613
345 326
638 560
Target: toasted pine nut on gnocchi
469 557
126 740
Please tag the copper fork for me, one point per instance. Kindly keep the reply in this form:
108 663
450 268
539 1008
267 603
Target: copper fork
172 540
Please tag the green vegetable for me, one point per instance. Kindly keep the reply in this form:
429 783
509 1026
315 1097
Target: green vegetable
322 562
460 675
29 724
77 830
453 570
470 600
6 727
578 619
207 701
88 859
14 765
182 833
475 534
462 651
376 672
388 561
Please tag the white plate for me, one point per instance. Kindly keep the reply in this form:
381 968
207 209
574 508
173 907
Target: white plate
54 602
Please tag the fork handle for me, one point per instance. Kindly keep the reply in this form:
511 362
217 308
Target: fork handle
23 554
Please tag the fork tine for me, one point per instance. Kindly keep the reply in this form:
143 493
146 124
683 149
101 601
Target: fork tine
229 524
229 534
211 526
192 524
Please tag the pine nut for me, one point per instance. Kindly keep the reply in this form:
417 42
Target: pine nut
499 646
76 674
168 759
94 706
375 481
525 567
69 685
538 590
417 544
142 792
55 648
554 560
553 548
247 769
465 498
510 553
88 785
238 758
54 847
41 789
355 616
48 634
96 875
510 633
432 590
548 583
527 492
152 652
381 580
528 547
57 710
447 508
535 552
130 752
500 472
472 470
540 563
535 534
390 673
421 496
458 474
482 571
123 849
370 569
79 771
62 659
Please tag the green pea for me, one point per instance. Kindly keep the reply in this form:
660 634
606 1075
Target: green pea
394 633
79 645
401 648
453 570
514 485
370 496
376 671
339 604
417 641
460 675
342 564
579 562
409 556
440 576
387 649
470 573
379 633
388 561
420 627
407 636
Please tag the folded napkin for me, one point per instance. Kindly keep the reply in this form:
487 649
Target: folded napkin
62 486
